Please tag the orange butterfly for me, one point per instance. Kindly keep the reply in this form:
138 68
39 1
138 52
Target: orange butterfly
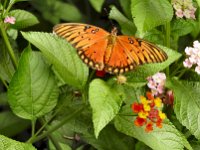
102 50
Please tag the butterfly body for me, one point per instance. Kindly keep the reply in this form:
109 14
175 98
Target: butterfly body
102 50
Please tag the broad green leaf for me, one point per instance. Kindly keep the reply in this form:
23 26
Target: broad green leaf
166 138
62 55
148 14
181 27
9 144
97 4
57 10
142 72
127 26
32 91
12 125
186 104
154 36
109 139
24 19
126 6
105 103
198 2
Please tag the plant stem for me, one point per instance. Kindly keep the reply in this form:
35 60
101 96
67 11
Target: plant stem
52 129
9 47
52 138
167 41
33 127
4 82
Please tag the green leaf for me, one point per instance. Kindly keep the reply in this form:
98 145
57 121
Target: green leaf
105 103
110 139
186 104
9 144
63 57
97 4
68 12
12 125
24 19
127 26
32 91
148 14
57 10
13 33
142 72
154 36
126 6
181 27
166 138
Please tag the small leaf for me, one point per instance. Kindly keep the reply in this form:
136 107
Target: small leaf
148 14
126 6
13 33
127 26
97 4
63 57
166 138
9 144
142 72
105 103
32 91
186 106
24 19
12 125
181 27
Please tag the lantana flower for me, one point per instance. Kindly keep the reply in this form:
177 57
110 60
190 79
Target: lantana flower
149 112
156 83
193 58
184 8
10 20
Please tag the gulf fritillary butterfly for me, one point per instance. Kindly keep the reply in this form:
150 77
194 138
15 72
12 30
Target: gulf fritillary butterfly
106 51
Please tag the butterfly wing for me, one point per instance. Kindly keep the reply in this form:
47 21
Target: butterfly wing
90 41
129 52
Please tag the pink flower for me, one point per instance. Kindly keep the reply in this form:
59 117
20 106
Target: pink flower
156 83
10 20
193 54
179 13
197 69
187 63
184 8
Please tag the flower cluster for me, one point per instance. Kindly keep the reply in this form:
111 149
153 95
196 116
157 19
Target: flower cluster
10 20
156 83
193 54
184 8
149 112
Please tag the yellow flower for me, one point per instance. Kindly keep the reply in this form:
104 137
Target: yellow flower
143 114
158 102
162 115
146 107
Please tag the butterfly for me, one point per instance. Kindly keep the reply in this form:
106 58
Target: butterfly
106 51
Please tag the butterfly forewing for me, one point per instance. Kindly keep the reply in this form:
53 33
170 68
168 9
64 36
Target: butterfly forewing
142 51
90 41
